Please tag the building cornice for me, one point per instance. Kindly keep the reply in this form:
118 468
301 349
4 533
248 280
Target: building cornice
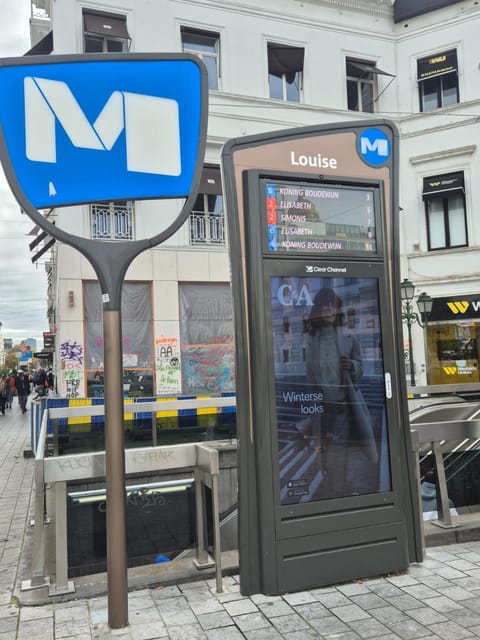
378 8
373 7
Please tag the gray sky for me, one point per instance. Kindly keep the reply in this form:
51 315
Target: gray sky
23 288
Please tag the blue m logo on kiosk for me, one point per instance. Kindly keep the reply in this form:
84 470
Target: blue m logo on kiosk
135 135
374 146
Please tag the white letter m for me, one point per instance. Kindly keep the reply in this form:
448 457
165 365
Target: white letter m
378 145
152 130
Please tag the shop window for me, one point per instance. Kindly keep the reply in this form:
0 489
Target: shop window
453 346
105 33
207 219
444 200
437 77
206 45
206 336
362 84
285 72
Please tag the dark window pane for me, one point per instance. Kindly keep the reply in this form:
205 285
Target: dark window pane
352 95
450 89
215 203
199 203
353 71
93 45
116 46
200 42
367 97
430 91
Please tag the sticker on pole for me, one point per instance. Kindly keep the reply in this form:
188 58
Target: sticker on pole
90 128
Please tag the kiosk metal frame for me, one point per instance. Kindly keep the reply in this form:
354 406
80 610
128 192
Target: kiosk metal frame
325 496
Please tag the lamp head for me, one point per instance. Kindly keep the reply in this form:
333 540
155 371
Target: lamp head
407 290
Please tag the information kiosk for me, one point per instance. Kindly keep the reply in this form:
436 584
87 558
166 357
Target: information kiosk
327 488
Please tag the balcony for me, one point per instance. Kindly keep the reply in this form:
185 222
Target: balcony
112 221
207 228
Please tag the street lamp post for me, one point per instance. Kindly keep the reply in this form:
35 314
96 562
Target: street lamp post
410 316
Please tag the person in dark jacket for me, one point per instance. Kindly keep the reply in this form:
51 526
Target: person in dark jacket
4 390
22 385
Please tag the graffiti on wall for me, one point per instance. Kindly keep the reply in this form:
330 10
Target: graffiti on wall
167 365
208 369
72 374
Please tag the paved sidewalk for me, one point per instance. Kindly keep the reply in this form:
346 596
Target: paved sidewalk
439 598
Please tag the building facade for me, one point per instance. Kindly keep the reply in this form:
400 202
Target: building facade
286 63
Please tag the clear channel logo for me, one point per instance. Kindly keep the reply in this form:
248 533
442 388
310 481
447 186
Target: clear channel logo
374 147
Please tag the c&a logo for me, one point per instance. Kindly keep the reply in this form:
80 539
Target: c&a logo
450 371
458 306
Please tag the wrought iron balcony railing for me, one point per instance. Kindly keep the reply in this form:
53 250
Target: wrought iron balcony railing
207 228
111 221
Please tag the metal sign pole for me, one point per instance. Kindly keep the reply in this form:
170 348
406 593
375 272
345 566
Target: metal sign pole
169 165
117 578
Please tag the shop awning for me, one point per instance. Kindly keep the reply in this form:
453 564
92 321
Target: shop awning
436 185
111 26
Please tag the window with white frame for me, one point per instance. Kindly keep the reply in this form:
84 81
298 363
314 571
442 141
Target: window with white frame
362 89
207 219
105 33
437 77
206 45
112 220
285 72
444 198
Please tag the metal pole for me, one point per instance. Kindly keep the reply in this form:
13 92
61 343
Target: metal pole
117 578
410 346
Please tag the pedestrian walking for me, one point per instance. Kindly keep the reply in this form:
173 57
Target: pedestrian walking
11 390
22 385
4 389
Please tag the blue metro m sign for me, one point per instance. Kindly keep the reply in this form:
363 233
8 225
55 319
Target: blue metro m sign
90 128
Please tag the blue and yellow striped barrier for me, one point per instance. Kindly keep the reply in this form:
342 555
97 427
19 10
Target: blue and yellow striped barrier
178 417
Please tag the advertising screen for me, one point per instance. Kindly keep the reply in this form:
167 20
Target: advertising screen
330 411
318 218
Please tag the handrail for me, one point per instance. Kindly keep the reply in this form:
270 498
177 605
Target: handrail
453 430
444 389
434 433
38 550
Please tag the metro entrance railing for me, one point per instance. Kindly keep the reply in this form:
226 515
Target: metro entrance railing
444 422
53 472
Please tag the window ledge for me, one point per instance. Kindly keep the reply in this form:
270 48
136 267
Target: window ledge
444 153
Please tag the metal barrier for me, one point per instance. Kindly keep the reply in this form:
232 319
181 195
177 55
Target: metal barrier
444 428
56 471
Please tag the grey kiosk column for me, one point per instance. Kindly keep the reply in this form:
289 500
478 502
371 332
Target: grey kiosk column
327 489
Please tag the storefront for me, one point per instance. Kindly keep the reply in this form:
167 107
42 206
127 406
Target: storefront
452 340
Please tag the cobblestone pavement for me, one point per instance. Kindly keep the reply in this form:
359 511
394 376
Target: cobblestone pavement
439 598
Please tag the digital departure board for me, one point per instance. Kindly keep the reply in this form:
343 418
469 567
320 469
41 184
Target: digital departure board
307 217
